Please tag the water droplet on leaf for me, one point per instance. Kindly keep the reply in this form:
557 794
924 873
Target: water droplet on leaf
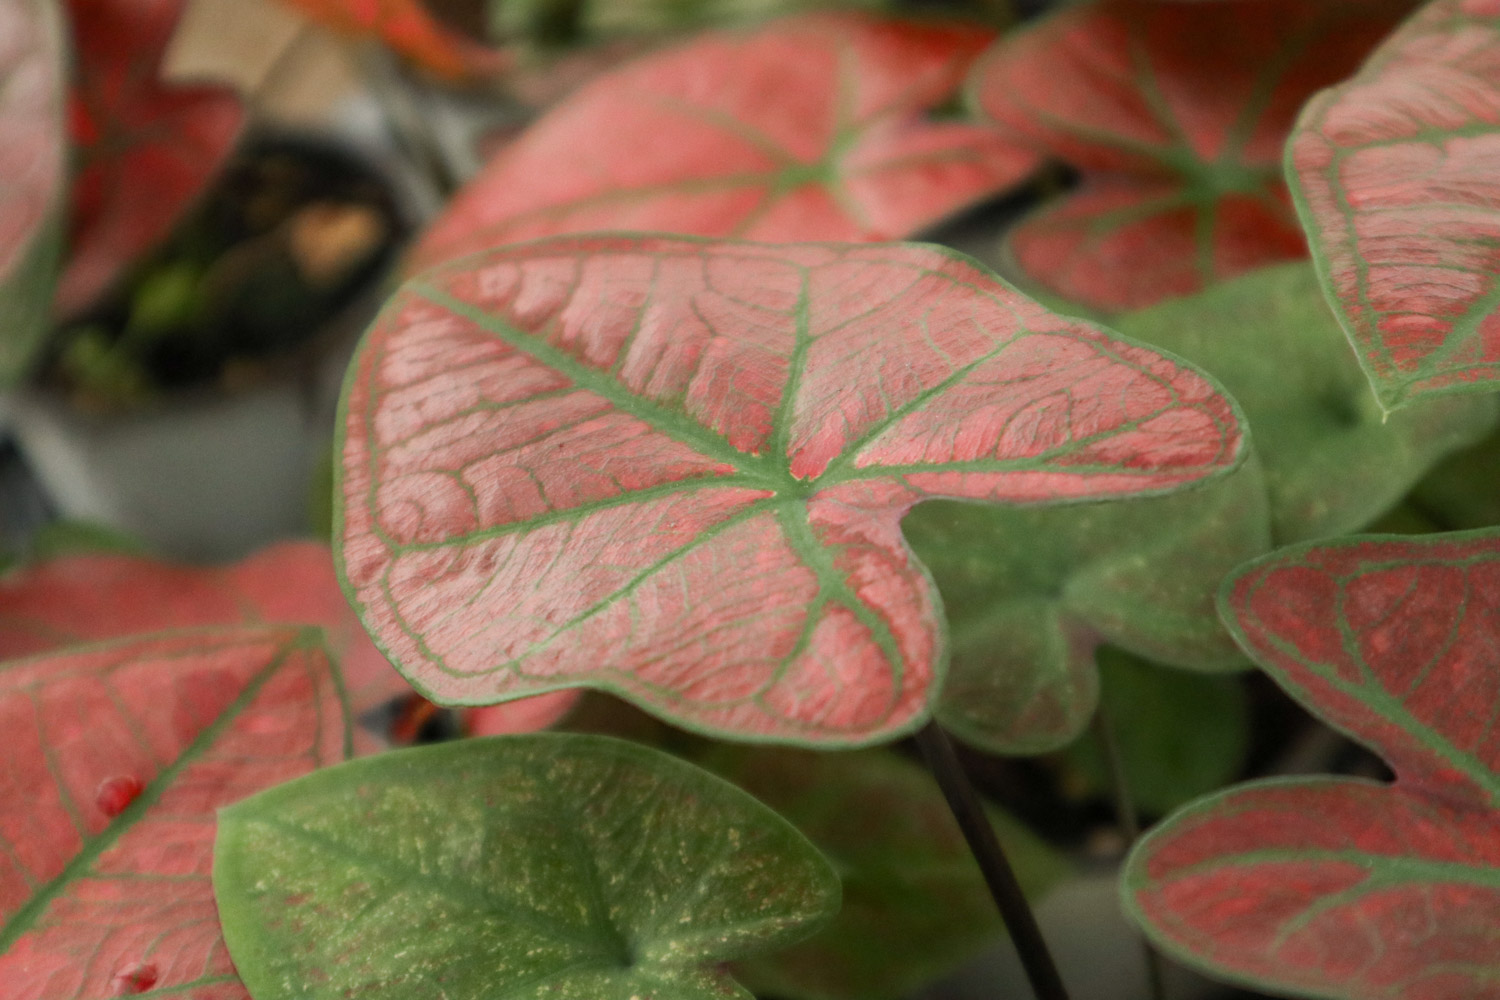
136 978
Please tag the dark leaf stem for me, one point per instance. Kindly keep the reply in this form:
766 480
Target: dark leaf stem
998 874
1130 826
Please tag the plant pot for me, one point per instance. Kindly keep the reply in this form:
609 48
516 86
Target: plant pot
208 473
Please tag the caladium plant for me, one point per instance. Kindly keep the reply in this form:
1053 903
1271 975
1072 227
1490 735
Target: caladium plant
1394 173
676 469
116 757
808 128
33 137
1175 115
144 148
1342 887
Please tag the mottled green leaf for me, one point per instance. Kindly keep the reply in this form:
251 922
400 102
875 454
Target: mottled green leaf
1030 594
559 866
915 904
1333 461
1180 735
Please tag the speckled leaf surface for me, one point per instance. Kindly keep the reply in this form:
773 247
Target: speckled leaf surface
1175 115
915 905
1394 174
116 757
810 128
1340 887
81 598
1030 594
552 865
1333 460
34 138
676 469
144 148
407 27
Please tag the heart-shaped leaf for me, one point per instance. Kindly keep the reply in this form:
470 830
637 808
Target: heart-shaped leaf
116 757
676 469
1175 114
32 134
807 129
1394 175
1339 887
48 605
408 28
1334 461
145 148
915 905
1031 594
556 865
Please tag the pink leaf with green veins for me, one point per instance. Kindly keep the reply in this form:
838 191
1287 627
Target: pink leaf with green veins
1347 888
1394 173
116 758
810 128
676 469
1175 114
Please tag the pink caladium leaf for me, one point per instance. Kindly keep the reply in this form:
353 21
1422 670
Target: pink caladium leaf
116 758
1175 115
82 598
1336 887
676 469
145 148
1395 179
810 128
33 138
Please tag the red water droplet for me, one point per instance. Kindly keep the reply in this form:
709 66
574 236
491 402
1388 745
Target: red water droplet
137 978
114 794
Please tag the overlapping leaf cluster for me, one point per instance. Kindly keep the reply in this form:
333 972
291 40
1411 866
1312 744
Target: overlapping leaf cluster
820 493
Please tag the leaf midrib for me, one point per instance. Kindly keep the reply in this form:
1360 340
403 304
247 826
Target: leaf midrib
757 469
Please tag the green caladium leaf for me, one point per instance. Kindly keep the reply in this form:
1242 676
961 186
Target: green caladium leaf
33 135
1334 461
676 469
1030 595
565 866
1180 735
914 905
